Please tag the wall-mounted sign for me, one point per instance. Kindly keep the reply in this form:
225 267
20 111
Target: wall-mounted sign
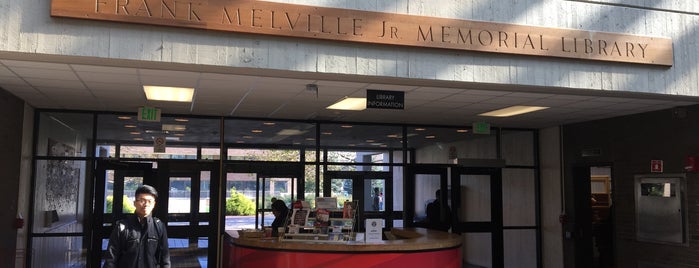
260 17
383 99
149 114
159 144
656 166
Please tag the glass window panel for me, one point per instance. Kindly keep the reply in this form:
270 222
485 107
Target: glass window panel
210 153
105 150
240 201
180 193
518 248
426 185
310 184
64 134
63 251
287 155
241 131
351 156
518 197
176 130
60 189
475 198
375 200
146 151
341 189
310 155
443 145
518 147
374 137
204 192
477 250
398 189
130 186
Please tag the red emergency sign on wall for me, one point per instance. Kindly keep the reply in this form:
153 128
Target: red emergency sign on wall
656 165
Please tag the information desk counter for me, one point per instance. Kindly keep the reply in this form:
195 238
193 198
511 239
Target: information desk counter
414 247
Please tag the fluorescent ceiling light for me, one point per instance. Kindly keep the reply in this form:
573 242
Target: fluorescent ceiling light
352 104
179 94
513 110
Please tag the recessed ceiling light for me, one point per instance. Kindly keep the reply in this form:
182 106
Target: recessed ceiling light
420 129
181 120
430 137
172 127
346 126
135 133
130 126
392 136
162 93
310 139
462 130
256 131
326 133
124 117
138 139
247 137
514 110
269 123
179 134
370 140
351 104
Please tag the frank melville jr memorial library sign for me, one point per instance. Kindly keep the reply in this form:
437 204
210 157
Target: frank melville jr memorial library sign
259 17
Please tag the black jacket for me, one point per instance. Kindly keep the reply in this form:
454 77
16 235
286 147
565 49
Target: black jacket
126 244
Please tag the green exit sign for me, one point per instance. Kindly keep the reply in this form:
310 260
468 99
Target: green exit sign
149 114
481 128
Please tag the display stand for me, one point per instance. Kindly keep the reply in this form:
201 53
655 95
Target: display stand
325 224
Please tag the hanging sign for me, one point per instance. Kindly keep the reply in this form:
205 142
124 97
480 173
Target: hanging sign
481 128
383 99
149 114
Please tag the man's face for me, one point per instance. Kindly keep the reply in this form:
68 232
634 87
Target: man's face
144 204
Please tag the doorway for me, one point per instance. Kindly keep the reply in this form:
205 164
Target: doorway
474 202
187 203
373 190
251 187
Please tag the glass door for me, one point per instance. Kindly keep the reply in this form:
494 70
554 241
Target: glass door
250 188
477 204
371 188
429 189
188 204
115 186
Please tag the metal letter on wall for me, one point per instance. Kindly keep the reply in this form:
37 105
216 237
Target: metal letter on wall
347 25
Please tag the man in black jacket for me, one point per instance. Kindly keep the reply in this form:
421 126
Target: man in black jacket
139 240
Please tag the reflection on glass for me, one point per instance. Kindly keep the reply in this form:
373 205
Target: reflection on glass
130 186
204 190
240 200
179 195
658 189
341 189
377 189
426 185
475 198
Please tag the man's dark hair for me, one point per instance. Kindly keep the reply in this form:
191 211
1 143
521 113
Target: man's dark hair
280 206
147 189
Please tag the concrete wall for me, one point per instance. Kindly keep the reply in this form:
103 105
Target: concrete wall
27 27
629 143
11 143
551 205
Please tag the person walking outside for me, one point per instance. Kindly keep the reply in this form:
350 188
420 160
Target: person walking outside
139 240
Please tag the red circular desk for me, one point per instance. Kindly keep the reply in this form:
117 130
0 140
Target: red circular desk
418 248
